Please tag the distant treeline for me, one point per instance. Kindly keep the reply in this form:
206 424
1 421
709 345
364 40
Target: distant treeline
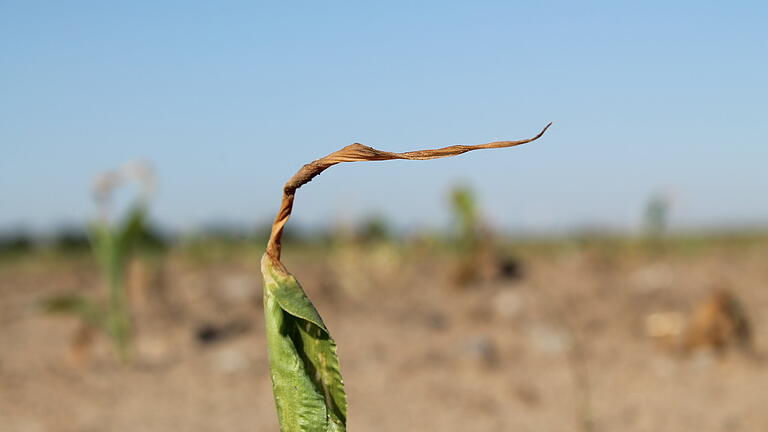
75 239
66 239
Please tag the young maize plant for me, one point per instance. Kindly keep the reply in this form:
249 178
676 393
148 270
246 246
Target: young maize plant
113 244
468 239
304 367
656 221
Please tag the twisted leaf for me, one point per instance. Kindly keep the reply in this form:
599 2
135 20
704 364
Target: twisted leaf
307 384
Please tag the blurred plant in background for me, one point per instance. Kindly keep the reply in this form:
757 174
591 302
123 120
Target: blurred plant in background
467 236
114 243
656 220
479 257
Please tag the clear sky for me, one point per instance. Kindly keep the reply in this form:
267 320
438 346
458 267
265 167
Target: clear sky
227 99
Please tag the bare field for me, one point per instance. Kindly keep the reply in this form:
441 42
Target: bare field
564 348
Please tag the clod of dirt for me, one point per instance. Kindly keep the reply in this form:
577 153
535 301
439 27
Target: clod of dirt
548 339
229 361
483 350
239 288
153 349
665 328
508 304
437 321
528 394
510 268
209 333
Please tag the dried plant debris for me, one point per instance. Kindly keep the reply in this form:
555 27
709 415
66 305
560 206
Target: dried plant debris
306 380
717 323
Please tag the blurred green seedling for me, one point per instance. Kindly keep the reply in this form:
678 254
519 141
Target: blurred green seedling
656 221
468 235
113 245
464 205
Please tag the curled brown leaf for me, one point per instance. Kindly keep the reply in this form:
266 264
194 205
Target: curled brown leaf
356 153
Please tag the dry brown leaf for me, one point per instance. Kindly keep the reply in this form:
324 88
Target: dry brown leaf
356 153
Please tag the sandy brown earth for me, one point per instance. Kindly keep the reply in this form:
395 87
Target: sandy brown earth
562 349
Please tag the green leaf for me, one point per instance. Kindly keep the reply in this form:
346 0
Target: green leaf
306 381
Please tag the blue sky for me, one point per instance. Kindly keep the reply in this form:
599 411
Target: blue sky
228 99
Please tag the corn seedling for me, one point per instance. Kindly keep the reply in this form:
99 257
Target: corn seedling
113 246
304 367
469 241
465 211
656 220
479 259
